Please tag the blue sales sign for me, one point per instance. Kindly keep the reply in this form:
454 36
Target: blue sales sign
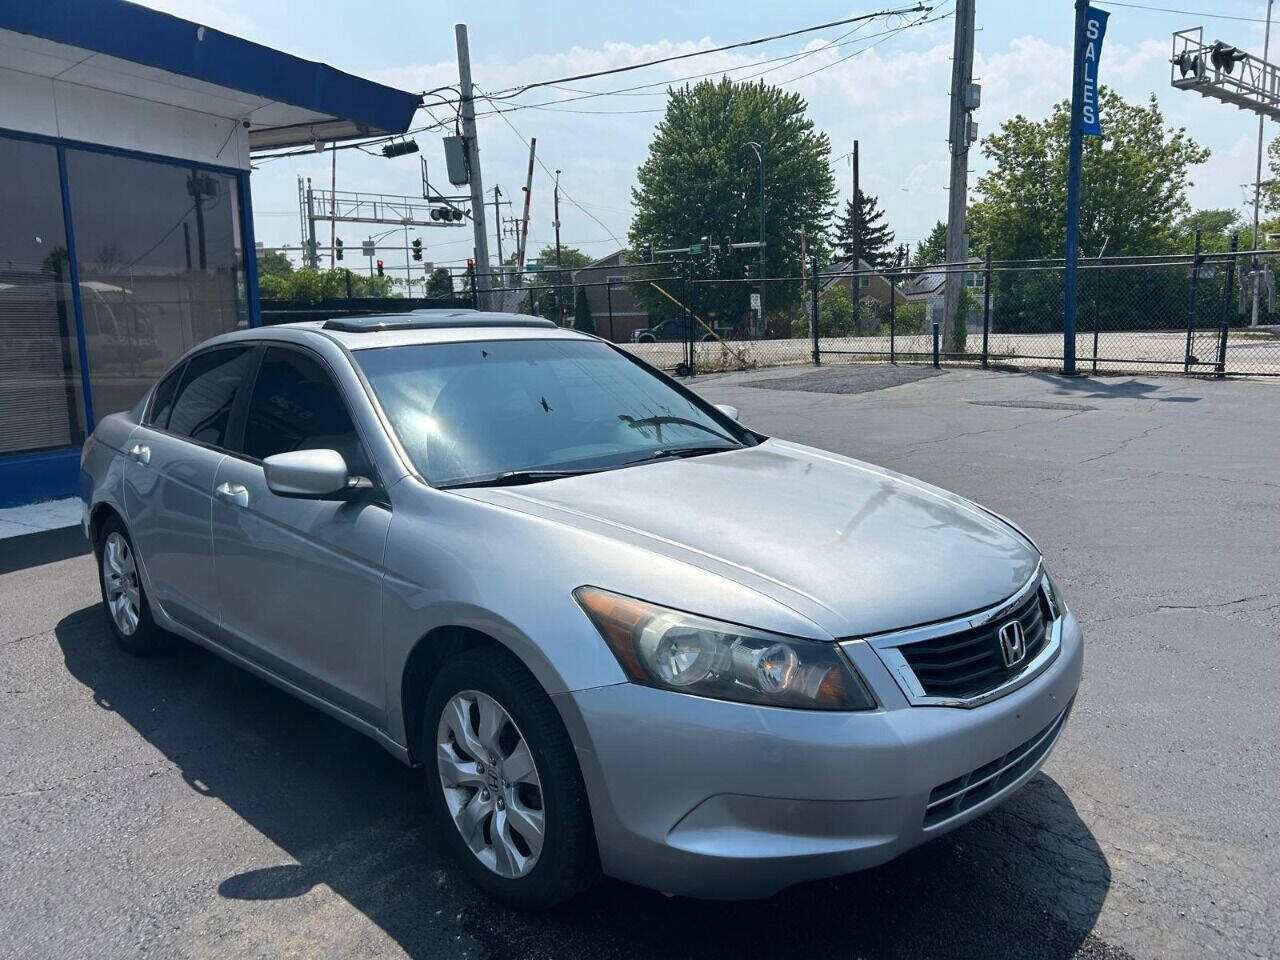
1095 29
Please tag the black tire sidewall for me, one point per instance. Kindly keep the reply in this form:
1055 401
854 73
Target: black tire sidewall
568 863
147 638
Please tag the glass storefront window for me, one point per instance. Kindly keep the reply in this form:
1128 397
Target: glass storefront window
41 406
161 265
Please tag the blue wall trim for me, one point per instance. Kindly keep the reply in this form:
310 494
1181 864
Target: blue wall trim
159 40
118 151
36 476
250 252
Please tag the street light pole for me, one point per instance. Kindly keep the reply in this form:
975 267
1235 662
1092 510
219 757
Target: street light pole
758 148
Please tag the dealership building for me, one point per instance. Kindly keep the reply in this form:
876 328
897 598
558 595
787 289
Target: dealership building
126 230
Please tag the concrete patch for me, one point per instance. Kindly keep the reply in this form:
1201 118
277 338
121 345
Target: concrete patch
849 378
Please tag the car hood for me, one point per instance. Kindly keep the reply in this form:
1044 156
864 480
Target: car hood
852 546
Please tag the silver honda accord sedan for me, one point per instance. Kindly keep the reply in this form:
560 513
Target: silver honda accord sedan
620 632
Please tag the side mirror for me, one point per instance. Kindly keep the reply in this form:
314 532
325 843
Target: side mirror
314 474
729 411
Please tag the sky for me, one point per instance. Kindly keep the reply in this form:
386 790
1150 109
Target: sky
889 90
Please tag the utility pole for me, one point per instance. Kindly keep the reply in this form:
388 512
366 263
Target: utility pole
758 149
957 201
333 204
312 259
559 264
857 215
472 147
524 226
1257 183
497 221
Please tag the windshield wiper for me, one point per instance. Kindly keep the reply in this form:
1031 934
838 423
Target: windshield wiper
512 478
671 453
637 424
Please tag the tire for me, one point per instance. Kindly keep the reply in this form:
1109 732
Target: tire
709 338
123 598
505 864
646 338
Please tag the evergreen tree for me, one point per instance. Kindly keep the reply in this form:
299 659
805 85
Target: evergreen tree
875 237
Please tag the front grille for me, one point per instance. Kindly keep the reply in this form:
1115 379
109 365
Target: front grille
970 663
958 795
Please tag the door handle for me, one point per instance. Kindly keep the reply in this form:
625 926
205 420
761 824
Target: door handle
236 493
141 453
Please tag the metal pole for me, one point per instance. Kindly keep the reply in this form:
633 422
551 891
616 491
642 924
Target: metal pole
523 240
497 223
1097 309
893 321
857 240
813 306
986 307
1227 291
1191 310
1074 150
758 149
472 147
961 80
312 259
333 200
559 264
608 293
1257 183
408 275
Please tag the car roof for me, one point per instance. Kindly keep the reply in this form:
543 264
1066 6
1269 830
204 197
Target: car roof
423 326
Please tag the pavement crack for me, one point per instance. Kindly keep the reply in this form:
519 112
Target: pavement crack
1124 443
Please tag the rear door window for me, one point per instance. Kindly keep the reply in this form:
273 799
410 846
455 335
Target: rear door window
207 397
162 399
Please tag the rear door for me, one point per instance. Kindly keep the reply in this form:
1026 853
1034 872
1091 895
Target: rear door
300 581
169 480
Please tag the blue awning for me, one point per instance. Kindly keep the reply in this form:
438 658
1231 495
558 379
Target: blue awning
296 101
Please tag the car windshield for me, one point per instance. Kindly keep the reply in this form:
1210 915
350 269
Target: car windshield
521 410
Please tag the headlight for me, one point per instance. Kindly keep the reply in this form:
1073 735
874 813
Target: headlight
665 648
1057 605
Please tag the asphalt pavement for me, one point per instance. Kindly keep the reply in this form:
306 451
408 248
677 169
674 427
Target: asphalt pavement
177 807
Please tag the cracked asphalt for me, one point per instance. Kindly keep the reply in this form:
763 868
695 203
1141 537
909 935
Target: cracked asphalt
177 807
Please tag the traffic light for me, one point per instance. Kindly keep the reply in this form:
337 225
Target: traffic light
337 248
379 268
447 214
748 270
1188 62
1224 57
417 248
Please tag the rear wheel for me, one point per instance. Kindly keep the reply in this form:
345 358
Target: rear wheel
122 593
504 783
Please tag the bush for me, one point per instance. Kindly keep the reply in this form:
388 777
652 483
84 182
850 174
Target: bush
835 315
908 320
305 287
582 319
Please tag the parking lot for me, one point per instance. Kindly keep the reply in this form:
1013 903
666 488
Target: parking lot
177 807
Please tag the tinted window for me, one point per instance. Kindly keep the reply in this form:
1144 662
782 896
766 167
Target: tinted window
40 387
465 411
297 406
161 261
212 380
162 400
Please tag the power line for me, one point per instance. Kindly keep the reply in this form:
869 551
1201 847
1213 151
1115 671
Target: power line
1189 13
515 91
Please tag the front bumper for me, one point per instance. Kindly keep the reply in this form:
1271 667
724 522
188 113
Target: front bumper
731 801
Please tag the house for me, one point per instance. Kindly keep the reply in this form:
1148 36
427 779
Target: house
873 289
929 288
125 141
613 304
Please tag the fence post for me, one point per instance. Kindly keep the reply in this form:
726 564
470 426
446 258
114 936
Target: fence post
936 331
471 278
1227 290
986 307
1097 310
815 314
608 292
1195 302
893 319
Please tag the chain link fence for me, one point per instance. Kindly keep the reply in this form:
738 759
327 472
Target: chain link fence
1210 313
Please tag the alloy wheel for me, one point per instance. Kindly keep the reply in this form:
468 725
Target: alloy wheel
120 583
490 782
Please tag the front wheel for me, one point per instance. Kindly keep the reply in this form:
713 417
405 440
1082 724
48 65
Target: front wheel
505 785
128 612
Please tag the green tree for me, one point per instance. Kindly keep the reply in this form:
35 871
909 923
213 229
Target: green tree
875 238
306 287
582 318
933 249
1134 181
701 179
1215 226
440 283
273 263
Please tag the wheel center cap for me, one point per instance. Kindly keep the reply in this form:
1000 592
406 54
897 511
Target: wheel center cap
492 777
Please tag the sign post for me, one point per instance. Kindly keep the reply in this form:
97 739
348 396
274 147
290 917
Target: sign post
1091 26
